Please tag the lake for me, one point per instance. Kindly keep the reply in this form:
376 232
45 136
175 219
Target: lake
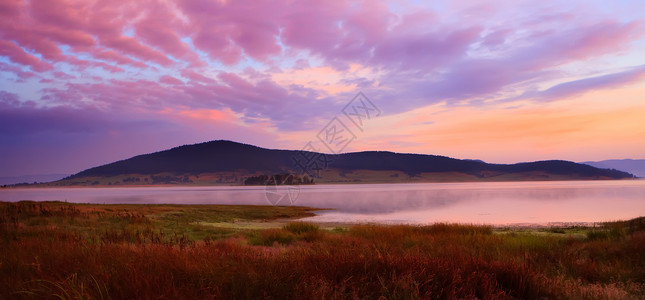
496 203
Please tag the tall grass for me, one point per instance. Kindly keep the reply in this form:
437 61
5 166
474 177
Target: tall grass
64 256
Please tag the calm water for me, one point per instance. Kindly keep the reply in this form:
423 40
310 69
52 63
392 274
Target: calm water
488 203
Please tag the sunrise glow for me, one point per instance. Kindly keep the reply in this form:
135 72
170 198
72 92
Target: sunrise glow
88 82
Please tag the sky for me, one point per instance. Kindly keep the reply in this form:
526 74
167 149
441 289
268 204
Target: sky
88 82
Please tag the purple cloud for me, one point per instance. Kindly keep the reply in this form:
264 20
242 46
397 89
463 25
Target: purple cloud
577 87
98 67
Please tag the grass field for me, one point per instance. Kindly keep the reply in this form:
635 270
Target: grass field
81 251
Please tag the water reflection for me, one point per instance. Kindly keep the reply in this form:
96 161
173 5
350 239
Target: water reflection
490 203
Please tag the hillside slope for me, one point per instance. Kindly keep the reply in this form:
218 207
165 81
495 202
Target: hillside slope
235 161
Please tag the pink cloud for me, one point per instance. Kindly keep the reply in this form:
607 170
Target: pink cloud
133 47
108 67
10 8
63 75
18 55
41 26
218 46
170 80
194 76
215 32
75 38
425 51
341 32
161 28
18 71
264 99
32 41
113 56
315 29
234 81
59 13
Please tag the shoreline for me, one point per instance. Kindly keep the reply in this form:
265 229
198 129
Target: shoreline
312 213
49 185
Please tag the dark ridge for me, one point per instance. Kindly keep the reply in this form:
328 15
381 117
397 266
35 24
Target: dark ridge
225 156
214 156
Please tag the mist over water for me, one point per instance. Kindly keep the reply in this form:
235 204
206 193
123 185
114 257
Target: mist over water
496 203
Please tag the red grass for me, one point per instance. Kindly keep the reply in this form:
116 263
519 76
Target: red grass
369 261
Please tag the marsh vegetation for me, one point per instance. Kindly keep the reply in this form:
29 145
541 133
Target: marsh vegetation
82 251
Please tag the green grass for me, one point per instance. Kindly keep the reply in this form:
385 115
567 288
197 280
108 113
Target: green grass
63 251
140 223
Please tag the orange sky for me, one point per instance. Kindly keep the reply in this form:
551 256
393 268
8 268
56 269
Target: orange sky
593 126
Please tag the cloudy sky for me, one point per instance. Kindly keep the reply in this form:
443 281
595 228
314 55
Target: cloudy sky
88 82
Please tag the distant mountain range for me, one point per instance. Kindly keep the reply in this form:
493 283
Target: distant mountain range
633 166
227 162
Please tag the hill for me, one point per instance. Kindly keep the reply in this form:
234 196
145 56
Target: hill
227 162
